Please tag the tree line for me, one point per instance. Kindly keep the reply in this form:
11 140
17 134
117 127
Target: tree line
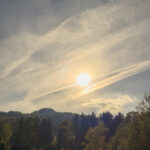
83 132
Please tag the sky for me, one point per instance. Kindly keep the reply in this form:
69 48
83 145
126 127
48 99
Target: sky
45 45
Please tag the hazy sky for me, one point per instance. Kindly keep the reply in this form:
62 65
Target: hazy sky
46 44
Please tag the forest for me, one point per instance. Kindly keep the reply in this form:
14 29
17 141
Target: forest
38 131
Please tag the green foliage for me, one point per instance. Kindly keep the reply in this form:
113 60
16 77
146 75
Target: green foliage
45 134
44 113
65 137
32 133
25 133
5 135
133 133
96 137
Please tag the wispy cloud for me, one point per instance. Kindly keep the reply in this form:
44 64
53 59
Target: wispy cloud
107 80
114 105
40 60
120 75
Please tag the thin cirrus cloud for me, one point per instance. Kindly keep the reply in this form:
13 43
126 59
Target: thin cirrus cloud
107 80
109 40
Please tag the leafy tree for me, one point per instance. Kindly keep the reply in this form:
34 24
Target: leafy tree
144 105
87 122
65 137
107 118
45 134
5 135
133 133
25 134
76 126
115 123
96 137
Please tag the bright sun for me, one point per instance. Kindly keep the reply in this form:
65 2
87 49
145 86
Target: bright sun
83 79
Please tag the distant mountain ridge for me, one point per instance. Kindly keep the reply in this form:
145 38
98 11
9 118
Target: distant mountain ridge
51 113
11 114
44 113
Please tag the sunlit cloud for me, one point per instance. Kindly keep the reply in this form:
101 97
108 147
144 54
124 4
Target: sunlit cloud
114 105
107 80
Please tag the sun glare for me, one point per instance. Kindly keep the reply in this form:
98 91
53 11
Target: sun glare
83 79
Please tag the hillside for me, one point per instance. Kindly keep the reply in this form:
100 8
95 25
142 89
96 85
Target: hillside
55 117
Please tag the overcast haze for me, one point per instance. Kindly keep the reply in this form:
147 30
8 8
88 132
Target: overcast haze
46 44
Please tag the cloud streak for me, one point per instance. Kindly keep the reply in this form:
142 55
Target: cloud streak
41 57
107 80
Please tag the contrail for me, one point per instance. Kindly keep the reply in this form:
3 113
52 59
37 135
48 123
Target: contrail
115 76
53 91
120 75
